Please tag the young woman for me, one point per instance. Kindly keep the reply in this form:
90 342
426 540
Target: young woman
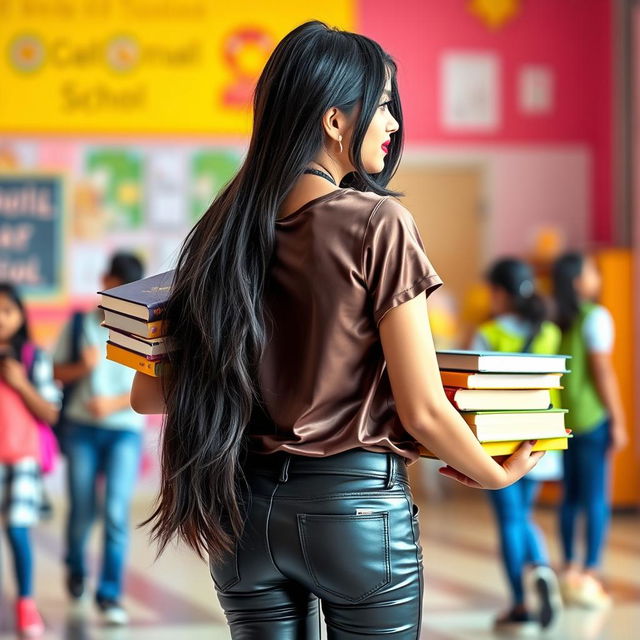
305 376
27 395
596 416
519 324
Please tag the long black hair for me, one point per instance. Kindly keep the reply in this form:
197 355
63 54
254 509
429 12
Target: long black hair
566 299
215 312
516 278
22 335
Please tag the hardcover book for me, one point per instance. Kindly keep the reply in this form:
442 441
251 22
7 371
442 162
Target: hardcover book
508 447
135 361
501 362
135 326
498 399
143 299
468 380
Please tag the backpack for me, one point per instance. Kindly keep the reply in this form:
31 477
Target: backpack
59 427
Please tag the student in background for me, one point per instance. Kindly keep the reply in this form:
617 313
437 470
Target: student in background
519 325
102 435
27 395
596 417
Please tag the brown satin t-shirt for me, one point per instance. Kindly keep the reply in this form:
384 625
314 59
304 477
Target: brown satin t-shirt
341 262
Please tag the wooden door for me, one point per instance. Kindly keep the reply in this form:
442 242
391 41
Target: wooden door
447 204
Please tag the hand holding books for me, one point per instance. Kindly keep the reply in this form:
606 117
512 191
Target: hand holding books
505 398
522 455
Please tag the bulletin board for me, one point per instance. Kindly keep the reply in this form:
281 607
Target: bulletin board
31 232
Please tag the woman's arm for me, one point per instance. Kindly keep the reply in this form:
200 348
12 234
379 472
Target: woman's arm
69 372
146 394
599 336
424 409
102 406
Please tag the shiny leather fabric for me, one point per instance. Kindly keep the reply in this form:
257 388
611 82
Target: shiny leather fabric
339 531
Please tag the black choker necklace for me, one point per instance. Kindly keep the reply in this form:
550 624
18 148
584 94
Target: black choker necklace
322 174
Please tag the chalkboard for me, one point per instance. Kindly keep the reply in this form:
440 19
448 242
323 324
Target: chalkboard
31 223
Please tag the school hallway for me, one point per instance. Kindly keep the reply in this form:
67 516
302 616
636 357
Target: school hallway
174 599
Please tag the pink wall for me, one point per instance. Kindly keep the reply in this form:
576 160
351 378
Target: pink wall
570 36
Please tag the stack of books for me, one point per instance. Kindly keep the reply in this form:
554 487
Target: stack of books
506 398
133 313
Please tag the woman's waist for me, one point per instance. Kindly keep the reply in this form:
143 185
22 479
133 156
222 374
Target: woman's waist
356 462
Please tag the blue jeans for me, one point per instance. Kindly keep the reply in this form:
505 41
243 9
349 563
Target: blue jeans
19 539
586 479
115 453
520 540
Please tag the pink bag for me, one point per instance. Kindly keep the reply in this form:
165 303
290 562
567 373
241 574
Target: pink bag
49 449
18 427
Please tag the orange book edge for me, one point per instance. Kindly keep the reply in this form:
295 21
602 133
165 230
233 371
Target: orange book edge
134 361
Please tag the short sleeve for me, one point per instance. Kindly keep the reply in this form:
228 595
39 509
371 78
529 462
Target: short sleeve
598 330
394 263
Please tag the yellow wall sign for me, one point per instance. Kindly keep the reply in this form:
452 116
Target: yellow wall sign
141 66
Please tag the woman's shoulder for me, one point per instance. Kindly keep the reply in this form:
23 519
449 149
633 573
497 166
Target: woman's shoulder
373 204
384 214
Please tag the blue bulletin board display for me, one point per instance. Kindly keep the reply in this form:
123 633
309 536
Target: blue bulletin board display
32 214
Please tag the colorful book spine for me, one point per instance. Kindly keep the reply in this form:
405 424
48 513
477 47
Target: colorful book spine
136 361
451 396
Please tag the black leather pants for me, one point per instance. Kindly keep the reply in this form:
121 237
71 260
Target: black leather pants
341 531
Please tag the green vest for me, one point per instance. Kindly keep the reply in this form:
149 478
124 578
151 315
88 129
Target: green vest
499 339
580 396
546 342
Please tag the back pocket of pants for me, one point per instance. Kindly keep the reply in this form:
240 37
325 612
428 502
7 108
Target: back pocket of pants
346 555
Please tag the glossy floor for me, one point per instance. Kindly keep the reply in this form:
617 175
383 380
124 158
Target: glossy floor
173 598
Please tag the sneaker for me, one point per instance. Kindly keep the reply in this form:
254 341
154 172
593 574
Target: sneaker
111 611
591 594
75 586
28 621
570 583
547 589
516 623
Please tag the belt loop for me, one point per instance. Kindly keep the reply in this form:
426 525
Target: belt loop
284 470
391 471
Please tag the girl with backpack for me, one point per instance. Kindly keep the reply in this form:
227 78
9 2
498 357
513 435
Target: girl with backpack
28 397
519 325
596 416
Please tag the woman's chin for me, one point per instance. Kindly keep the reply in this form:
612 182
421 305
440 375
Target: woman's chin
375 167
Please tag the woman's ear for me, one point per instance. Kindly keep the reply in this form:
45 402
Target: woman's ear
333 123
